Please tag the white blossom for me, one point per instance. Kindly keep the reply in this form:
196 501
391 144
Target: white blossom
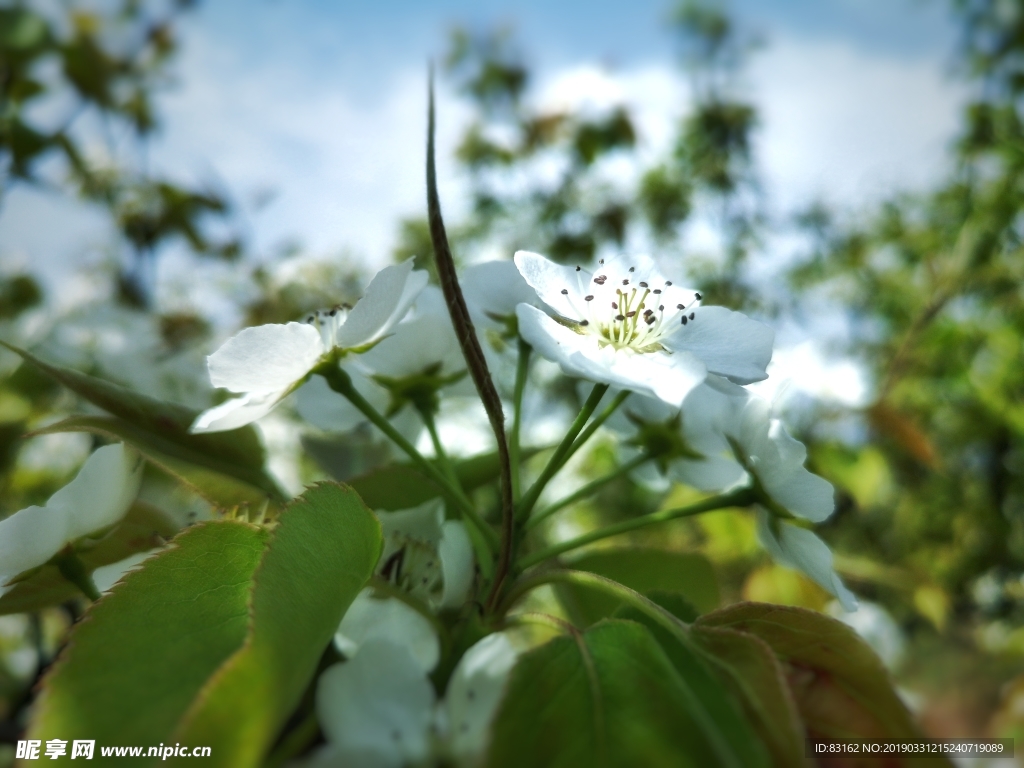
370 619
379 708
265 363
626 325
98 497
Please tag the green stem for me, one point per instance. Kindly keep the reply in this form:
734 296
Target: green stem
442 456
522 369
558 457
73 569
593 426
587 490
340 382
740 498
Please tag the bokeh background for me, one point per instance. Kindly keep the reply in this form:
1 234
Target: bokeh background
851 171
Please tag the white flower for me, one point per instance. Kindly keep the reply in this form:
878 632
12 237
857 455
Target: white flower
96 499
799 548
777 461
265 363
379 708
787 488
696 450
629 327
370 619
426 555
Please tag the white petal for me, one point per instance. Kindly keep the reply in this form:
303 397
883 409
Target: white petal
496 288
549 279
29 538
237 412
325 409
779 467
106 576
266 358
369 620
474 694
669 377
102 492
379 704
457 564
801 549
388 297
422 523
415 346
713 473
730 343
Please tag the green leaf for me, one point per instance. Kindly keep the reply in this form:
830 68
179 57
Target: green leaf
209 476
136 662
607 697
142 529
402 486
214 640
322 553
751 671
721 706
838 683
644 570
238 452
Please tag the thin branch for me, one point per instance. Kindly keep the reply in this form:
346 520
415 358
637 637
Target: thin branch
472 351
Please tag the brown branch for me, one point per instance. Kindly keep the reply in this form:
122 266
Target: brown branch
472 351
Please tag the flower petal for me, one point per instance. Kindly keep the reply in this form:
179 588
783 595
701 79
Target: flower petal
266 358
474 694
388 297
549 279
496 288
369 619
415 346
799 548
379 704
789 483
29 538
237 412
457 564
102 491
730 343
669 377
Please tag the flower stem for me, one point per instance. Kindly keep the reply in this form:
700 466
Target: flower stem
593 426
73 569
587 490
522 369
442 456
739 498
564 449
340 382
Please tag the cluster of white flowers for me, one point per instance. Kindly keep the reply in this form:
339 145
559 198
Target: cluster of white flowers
379 707
623 325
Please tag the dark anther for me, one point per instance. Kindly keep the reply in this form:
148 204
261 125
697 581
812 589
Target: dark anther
309 319
619 317
668 282
600 279
565 291
650 319
684 319
333 312
625 282
691 315
661 308
601 261
577 267
657 290
584 322
632 269
631 314
614 305
680 306
643 285
698 296
588 298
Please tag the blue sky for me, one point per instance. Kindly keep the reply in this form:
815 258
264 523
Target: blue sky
323 103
